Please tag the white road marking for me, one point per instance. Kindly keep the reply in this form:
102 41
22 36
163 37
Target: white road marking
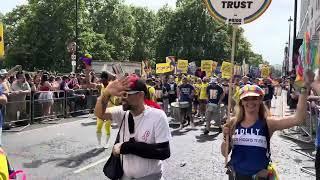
91 165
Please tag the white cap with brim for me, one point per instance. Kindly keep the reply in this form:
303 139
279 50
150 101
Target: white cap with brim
249 94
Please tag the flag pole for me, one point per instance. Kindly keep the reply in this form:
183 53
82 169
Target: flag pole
234 35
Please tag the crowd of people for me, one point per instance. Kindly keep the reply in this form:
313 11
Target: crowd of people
140 106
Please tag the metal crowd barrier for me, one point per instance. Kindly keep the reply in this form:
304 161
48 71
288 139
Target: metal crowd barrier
82 101
307 126
47 107
17 112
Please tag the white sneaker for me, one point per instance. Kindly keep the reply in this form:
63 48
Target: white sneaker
107 142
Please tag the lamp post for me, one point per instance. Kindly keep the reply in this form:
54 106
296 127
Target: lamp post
289 42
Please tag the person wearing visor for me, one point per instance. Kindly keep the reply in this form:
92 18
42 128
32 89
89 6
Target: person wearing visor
144 131
250 131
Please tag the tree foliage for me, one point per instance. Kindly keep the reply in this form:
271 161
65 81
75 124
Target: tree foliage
37 34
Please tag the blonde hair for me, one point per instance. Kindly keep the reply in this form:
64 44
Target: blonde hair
264 113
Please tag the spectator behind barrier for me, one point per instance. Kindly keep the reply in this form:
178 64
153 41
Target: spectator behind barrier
19 90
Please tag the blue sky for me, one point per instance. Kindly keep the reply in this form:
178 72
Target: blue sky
268 34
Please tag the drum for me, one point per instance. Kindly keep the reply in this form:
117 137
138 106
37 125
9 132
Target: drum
178 110
211 107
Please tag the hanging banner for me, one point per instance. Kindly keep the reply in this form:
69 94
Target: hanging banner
226 70
237 12
182 66
206 65
1 41
162 68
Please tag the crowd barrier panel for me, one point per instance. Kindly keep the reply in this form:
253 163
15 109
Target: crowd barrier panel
79 102
17 111
48 106
307 126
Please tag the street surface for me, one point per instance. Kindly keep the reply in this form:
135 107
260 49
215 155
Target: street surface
66 151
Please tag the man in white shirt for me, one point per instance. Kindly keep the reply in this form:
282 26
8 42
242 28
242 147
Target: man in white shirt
144 135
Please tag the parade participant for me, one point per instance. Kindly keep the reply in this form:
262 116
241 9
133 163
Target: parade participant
151 90
292 98
244 81
250 158
171 86
144 133
203 98
225 101
197 88
113 101
165 95
185 94
215 97
160 93
268 92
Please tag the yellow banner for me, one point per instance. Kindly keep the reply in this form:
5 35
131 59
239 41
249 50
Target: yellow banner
226 70
162 68
183 66
206 65
265 71
1 41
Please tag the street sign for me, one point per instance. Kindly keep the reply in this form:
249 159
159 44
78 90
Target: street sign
73 57
72 47
237 11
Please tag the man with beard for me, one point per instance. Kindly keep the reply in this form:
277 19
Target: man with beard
144 131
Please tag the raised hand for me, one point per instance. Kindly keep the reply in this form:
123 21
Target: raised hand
118 87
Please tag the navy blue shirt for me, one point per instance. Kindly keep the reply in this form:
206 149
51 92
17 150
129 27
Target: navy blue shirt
185 92
250 147
214 92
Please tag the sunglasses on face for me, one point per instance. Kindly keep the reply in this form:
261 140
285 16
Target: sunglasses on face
251 98
130 93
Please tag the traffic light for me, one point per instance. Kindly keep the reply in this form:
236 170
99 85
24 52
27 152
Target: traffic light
1 42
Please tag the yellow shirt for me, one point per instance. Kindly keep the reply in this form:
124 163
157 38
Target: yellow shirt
4 174
152 92
203 91
197 88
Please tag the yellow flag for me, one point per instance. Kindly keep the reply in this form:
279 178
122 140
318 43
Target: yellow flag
183 66
163 68
206 65
265 71
1 41
226 70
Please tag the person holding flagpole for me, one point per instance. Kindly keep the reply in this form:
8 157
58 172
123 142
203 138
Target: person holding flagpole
250 131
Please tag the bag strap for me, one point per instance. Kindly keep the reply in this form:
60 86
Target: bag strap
118 135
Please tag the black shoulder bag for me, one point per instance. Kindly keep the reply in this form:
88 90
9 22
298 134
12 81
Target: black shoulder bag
113 167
